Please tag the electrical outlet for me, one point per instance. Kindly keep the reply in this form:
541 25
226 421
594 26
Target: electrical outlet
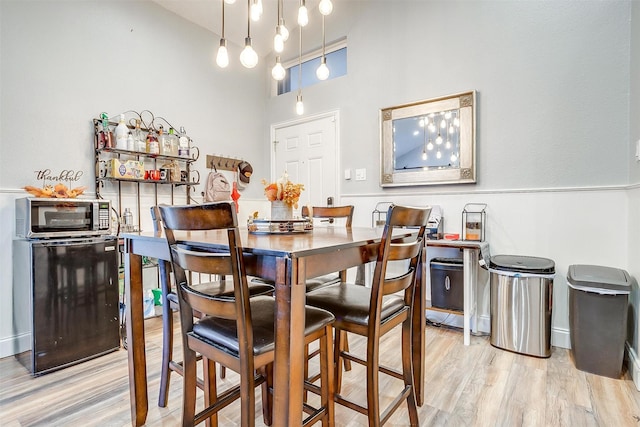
361 174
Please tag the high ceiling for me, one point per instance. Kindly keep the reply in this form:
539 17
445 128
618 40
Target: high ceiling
208 14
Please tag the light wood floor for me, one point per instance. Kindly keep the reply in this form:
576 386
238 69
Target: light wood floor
477 385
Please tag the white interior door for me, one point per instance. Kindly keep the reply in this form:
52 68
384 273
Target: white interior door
307 150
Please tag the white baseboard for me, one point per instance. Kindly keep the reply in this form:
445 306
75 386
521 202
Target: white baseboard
15 344
633 364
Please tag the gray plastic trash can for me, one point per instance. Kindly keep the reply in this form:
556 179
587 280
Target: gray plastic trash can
521 294
598 305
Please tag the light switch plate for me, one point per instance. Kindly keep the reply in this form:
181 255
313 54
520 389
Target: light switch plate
361 174
347 174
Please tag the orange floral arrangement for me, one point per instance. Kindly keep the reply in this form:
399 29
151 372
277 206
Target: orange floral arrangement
284 190
59 191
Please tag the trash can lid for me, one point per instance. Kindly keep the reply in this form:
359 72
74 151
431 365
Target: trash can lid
596 278
522 264
447 261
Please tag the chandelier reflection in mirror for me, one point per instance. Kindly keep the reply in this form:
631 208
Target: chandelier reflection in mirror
429 142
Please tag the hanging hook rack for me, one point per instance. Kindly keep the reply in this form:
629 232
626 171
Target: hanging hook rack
221 162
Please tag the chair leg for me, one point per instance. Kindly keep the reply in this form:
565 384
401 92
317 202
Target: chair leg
305 371
247 398
189 385
267 394
210 388
167 351
373 389
345 347
407 373
337 362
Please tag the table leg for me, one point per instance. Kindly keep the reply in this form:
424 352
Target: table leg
289 351
470 277
134 317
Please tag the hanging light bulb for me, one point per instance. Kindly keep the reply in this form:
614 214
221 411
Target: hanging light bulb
438 154
447 144
278 42
447 115
222 57
432 127
278 72
430 145
326 7
283 31
456 121
454 157
248 56
299 104
323 71
256 10
424 155
303 14
439 139
443 124
451 129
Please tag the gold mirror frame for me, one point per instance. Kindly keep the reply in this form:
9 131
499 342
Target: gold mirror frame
464 169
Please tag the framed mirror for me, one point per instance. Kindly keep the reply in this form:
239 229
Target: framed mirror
429 142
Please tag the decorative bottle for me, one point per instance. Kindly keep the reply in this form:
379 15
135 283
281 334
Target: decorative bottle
105 136
173 142
131 146
139 142
152 143
121 134
183 143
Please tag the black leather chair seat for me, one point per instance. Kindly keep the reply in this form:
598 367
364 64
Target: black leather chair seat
320 281
350 303
223 333
224 290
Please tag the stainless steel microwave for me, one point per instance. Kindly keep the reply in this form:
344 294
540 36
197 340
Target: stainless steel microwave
42 218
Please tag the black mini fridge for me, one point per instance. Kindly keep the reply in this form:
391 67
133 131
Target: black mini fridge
68 291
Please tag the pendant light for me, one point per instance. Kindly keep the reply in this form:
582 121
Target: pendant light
323 71
222 58
326 7
299 104
278 39
282 29
248 57
303 14
255 10
278 72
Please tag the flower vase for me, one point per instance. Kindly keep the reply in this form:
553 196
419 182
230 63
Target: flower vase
281 210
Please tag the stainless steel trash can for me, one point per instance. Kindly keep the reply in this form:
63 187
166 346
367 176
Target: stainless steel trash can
598 306
521 296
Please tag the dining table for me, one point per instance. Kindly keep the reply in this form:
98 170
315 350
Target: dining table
286 259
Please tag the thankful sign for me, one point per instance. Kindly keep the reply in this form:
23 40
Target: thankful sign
65 175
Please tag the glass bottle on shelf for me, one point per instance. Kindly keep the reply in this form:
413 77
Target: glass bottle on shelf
121 134
183 143
173 142
105 136
152 142
130 142
139 142
163 142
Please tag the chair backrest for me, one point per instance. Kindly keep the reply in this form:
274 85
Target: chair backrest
208 217
331 213
407 249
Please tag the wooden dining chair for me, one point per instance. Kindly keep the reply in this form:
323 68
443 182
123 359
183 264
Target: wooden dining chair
373 312
170 304
235 330
331 215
